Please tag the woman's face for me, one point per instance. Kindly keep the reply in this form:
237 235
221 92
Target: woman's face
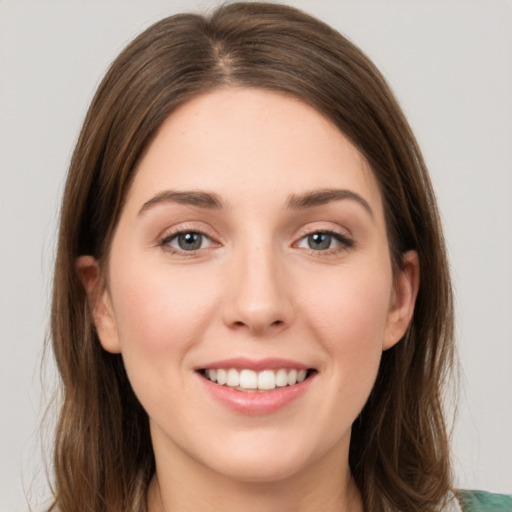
252 247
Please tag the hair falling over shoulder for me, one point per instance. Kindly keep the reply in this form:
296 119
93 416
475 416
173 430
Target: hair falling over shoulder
103 459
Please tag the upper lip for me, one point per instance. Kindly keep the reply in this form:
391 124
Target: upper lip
241 363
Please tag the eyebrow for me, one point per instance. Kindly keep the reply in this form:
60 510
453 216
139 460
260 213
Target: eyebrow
208 200
213 201
324 196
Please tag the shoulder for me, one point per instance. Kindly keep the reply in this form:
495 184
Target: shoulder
482 501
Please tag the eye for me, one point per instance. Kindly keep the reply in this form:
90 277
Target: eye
324 241
187 241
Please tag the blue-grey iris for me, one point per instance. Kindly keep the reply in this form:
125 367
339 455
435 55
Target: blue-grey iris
190 241
319 241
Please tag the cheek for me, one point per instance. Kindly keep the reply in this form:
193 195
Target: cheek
160 312
346 312
351 306
349 314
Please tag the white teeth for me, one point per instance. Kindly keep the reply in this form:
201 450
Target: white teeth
248 379
233 378
251 380
292 377
266 380
221 377
281 378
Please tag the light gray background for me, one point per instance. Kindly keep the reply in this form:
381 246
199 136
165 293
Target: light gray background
450 63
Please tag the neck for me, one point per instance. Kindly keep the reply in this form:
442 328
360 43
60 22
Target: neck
318 488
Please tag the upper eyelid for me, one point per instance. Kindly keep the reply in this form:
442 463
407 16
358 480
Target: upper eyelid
344 239
172 236
320 227
174 233
167 238
188 227
204 229
164 243
342 234
331 232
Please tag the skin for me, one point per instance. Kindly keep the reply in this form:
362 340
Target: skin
257 288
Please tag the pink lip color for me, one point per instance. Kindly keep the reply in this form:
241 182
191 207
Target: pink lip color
258 402
258 365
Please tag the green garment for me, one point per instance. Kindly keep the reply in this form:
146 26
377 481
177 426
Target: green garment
481 501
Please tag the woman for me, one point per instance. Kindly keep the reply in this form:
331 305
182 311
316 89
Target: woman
252 308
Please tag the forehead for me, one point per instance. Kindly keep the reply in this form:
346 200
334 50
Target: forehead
244 143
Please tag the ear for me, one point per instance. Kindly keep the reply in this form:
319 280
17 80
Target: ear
405 290
100 303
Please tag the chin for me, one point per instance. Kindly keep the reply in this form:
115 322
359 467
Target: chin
259 471
257 461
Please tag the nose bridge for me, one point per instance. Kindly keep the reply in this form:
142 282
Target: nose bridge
259 298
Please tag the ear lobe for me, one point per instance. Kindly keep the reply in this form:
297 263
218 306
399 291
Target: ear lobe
406 285
100 303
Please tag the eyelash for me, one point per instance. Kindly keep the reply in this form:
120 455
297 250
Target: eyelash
167 239
345 242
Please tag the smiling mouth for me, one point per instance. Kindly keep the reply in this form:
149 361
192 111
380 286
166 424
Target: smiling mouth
251 381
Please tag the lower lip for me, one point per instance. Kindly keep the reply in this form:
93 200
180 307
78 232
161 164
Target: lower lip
259 402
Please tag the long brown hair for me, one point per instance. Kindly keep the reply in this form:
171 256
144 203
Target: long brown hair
103 460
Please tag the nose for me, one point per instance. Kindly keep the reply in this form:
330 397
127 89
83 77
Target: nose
259 296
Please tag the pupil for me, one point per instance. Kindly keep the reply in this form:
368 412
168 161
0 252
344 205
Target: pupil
189 241
319 241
